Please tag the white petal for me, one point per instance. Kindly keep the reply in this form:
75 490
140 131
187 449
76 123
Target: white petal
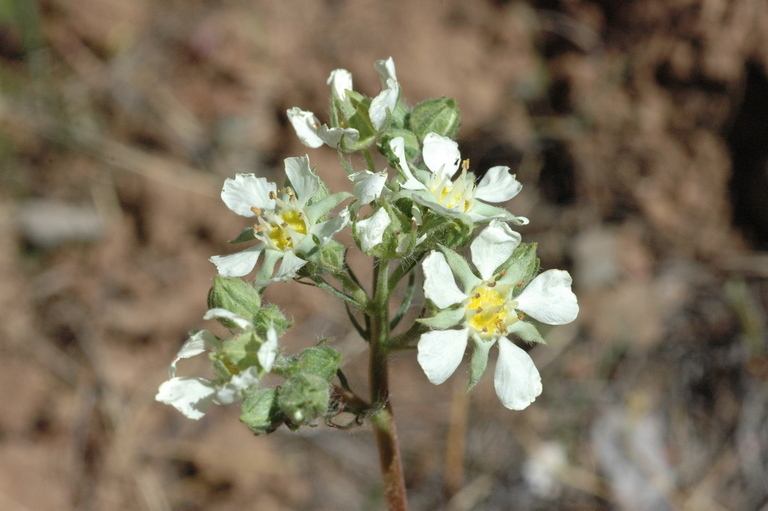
189 395
386 70
304 182
516 379
333 136
397 145
268 351
340 82
385 102
370 231
232 391
305 124
218 313
239 263
246 191
440 353
195 345
328 229
368 186
290 264
439 284
498 185
549 299
492 247
441 154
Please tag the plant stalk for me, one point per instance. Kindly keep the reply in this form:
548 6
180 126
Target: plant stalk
383 421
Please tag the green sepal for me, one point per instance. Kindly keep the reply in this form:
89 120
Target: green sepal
247 234
399 119
322 361
461 269
303 398
260 411
271 315
527 332
521 267
440 116
239 352
479 360
324 260
399 237
318 209
411 145
236 296
445 318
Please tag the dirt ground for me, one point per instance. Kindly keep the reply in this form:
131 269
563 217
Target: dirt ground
639 130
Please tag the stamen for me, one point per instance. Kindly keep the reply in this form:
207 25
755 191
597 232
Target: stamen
272 195
256 211
492 284
465 164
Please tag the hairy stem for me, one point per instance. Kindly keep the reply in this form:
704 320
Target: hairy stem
383 420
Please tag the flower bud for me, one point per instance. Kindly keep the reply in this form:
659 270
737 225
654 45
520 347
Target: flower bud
303 398
322 361
440 116
260 411
234 295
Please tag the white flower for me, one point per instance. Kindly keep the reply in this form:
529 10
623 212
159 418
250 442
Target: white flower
368 185
370 231
192 395
314 134
488 311
460 197
287 225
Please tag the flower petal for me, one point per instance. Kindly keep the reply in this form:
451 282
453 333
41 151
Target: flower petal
246 191
305 124
441 154
498 185
217 313
386 70
196 344
549 299
370 231
304 182
239 263
340 81
492 247
190 395
328 229
232 391
439 284
289 266
333 136
397 145
368 186
440 353
516 379
268 351
384 103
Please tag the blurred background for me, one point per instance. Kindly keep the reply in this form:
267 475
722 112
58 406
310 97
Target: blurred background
639 130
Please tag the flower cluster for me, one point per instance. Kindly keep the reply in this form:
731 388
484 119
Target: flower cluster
416 202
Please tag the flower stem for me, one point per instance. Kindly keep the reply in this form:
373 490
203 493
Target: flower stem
383 421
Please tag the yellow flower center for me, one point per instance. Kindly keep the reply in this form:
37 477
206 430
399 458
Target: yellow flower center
281 233
489 312
458 194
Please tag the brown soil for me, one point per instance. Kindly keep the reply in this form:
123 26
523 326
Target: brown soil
638 129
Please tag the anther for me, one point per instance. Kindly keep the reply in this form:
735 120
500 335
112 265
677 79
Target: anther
465 164
492 284
256 211
272 195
